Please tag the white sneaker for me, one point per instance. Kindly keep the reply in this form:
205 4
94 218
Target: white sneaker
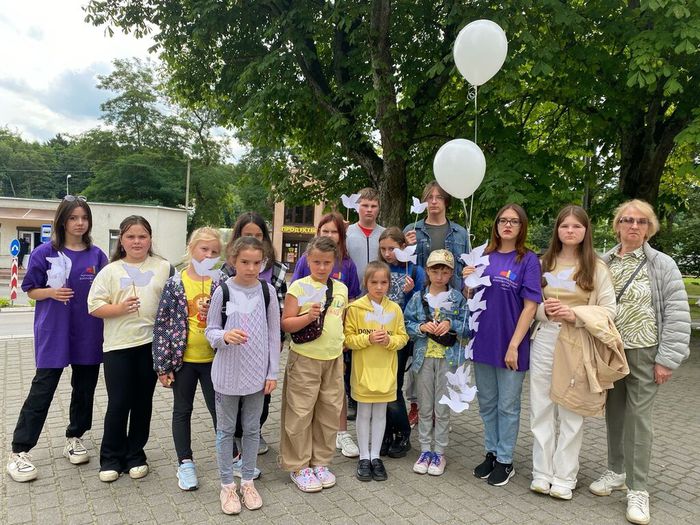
608 482
541 486
344 443
638 507
75 451
559 492
108 476
20 467
138 472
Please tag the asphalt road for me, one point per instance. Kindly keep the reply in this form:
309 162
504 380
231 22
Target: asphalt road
16 324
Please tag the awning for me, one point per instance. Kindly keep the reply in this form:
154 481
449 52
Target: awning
27 214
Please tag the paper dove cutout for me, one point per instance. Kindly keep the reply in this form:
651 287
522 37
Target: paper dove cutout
439 301
59 272
351 202
204 267
469 350
473 321
475 303
477 278
136 277
407 254
475 257
378 315
561 280
418 207
460 376
240 303
454 401
312 294
460 394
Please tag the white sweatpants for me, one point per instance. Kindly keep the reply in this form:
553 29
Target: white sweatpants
554 459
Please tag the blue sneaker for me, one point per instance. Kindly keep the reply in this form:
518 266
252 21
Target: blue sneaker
238 468
187 476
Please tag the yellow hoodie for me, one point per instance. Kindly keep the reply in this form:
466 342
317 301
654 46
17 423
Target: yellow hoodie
373 378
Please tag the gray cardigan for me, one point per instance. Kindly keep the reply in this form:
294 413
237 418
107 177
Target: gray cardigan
362 249
670 304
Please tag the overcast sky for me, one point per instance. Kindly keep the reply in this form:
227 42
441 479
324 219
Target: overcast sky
49 62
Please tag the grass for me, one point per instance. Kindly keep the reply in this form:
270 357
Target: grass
692 285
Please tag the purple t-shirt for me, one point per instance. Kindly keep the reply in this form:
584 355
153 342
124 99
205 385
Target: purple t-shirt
65 334
511 283
345 272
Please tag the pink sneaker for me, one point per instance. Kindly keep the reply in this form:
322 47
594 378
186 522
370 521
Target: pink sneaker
325 476
230 504
306 480
422 465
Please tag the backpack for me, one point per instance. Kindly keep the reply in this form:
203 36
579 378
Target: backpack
224 300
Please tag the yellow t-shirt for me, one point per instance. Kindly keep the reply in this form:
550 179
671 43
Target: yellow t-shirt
330 344
435 350
134 329
197 293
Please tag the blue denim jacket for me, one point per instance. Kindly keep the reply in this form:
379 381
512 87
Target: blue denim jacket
456 242
414 316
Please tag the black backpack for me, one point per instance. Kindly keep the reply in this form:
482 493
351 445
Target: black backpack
224 300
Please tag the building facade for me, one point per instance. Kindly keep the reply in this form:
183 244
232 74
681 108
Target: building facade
292 228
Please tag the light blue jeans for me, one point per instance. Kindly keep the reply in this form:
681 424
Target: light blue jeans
226 414
499 391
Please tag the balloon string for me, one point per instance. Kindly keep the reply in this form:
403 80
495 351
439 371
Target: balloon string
476 127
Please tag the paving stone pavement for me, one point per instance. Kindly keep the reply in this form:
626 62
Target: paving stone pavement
64 493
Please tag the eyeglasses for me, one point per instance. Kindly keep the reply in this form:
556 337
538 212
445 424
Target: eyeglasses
629 221
71 198
510 222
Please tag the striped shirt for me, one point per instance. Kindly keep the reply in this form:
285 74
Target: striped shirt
636 319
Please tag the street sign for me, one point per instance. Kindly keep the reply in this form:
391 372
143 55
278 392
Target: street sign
14 248
13 280
45 233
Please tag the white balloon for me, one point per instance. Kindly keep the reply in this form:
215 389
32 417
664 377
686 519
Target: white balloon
480 50
459 167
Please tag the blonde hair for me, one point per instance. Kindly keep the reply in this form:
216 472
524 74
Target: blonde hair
645 208
203 234
374 267
368 194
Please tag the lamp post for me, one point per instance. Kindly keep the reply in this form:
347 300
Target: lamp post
67 177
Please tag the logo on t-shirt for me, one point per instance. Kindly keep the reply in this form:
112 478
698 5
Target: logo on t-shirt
88 274
509 274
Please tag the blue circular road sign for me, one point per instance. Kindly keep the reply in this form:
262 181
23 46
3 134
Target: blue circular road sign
14 248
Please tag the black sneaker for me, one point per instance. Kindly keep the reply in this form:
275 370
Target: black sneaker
400 446
364 470
484 469
378 470
386 443
501 474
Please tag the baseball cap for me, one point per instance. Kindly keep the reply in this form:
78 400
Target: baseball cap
441 257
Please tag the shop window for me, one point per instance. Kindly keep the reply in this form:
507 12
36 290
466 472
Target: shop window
299 215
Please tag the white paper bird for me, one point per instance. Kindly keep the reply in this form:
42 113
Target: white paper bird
241 303
454 401
475 257
475 303
468 393
561 280
407 254
473 321
439 301
351 202
418 207
379 315
136 277
312 294
204 267
477 278
469 350
59 272
460 376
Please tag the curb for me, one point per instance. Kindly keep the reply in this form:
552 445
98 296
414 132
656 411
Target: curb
17 309
13 337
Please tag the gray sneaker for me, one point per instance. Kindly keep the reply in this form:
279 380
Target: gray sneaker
263 446
608 482
238 469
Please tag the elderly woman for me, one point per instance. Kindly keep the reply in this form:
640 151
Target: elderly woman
654 320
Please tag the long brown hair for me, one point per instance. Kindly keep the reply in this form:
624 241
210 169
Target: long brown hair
253 217
495 241
337 219
64 210
587 258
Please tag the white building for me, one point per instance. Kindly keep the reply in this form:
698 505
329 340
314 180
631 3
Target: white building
25 217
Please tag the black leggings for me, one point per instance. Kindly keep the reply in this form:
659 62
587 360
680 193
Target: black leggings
36 407
396 415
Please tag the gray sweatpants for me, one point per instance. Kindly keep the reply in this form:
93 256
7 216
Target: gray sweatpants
431 385
226 415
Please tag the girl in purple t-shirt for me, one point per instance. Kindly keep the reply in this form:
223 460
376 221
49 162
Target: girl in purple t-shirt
501 343
58 278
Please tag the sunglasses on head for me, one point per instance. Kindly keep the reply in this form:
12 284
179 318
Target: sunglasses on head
71 198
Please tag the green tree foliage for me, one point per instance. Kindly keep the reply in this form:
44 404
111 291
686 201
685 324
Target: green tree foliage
592 100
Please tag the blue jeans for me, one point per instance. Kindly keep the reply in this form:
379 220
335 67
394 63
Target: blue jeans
499 392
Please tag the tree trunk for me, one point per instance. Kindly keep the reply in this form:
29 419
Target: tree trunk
392 185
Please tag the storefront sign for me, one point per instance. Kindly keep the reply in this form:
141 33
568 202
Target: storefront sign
299 229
